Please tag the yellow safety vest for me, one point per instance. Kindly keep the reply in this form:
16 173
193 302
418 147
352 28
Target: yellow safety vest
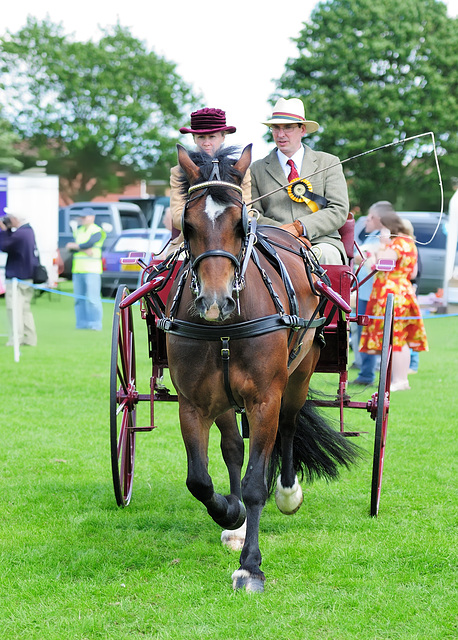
82 262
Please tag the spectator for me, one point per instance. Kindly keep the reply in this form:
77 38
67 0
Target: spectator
317 216
368 361
414 355
409 331
86 270
17 239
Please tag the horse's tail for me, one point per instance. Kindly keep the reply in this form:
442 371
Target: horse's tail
318 449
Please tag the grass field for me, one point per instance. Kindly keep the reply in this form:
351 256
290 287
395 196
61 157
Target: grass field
75 566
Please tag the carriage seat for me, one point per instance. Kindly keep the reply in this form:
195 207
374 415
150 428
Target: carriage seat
347 235
334 356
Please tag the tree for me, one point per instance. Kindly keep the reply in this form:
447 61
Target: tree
8 153
102 114
376 72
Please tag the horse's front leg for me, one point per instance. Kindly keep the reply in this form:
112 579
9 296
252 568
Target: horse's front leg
227 511
263 420
232 448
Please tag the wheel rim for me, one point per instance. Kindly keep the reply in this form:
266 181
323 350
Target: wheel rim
123 400
383 403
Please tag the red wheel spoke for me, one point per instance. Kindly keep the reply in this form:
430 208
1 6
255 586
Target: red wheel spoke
122 406
123 431
122 380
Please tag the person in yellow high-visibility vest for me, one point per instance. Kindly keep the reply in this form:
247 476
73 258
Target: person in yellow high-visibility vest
86 271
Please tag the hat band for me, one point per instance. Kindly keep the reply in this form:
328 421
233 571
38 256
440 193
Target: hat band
283 115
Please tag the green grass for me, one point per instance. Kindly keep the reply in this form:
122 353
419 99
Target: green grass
74 566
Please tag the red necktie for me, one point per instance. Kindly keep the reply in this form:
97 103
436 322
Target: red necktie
293 173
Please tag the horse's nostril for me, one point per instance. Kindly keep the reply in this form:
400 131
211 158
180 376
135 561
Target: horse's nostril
228 306
200 304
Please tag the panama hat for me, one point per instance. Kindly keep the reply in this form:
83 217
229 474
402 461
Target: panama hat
208 121
290 112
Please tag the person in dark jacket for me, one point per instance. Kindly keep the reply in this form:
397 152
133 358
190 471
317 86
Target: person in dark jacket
17 239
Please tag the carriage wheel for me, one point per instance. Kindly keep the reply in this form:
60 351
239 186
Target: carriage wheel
123 400
383 403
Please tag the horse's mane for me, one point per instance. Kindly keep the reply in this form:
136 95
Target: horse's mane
226 157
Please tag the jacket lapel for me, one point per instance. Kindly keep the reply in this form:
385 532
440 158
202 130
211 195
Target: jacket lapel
309 163
273 168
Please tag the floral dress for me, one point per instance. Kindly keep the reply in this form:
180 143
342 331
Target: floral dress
408 325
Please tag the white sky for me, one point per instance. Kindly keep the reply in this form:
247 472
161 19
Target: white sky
229 51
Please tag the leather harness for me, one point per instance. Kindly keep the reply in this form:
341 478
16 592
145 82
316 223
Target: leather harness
251 328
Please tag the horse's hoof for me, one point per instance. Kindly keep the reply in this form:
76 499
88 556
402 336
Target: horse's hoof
242 578
255 585
234 538
288 499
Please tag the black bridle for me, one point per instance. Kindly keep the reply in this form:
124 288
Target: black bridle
248 225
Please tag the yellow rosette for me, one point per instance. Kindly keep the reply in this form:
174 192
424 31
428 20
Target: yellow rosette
297 191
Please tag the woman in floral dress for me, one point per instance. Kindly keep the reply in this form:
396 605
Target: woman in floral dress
408 331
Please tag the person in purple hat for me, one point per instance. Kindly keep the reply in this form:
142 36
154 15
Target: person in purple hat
208 129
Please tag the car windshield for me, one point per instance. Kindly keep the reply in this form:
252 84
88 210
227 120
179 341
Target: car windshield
101 219
144 244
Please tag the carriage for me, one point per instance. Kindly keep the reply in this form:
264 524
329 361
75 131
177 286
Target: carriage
163 284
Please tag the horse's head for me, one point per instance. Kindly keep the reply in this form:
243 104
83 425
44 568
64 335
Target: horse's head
214 226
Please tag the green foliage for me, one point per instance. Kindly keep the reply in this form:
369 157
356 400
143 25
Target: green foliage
376 72
76 567
8 152
107 110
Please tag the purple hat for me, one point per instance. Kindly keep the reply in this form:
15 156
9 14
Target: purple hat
208 121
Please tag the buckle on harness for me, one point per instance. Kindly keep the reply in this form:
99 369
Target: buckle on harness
225 352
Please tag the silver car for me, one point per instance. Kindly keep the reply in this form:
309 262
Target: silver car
431 249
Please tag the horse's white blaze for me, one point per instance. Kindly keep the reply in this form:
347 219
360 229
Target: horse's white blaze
288 499
213 210
234 538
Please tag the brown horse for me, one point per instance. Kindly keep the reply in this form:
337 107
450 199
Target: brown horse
237 338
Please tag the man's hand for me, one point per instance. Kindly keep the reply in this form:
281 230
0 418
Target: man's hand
295 228
290 228
72 246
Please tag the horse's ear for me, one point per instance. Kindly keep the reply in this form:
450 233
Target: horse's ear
244 161
191 170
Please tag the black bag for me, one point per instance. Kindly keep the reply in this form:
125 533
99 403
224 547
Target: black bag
40 275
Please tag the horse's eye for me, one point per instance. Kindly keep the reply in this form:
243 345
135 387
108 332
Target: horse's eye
238 228
188 229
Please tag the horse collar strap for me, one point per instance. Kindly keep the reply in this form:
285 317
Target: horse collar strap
248 329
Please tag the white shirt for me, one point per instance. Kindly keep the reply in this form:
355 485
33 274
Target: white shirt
296 158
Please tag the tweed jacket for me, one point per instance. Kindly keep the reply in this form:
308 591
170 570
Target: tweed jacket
177 199
279 208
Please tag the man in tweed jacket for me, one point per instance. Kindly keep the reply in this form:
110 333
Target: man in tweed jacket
318 222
